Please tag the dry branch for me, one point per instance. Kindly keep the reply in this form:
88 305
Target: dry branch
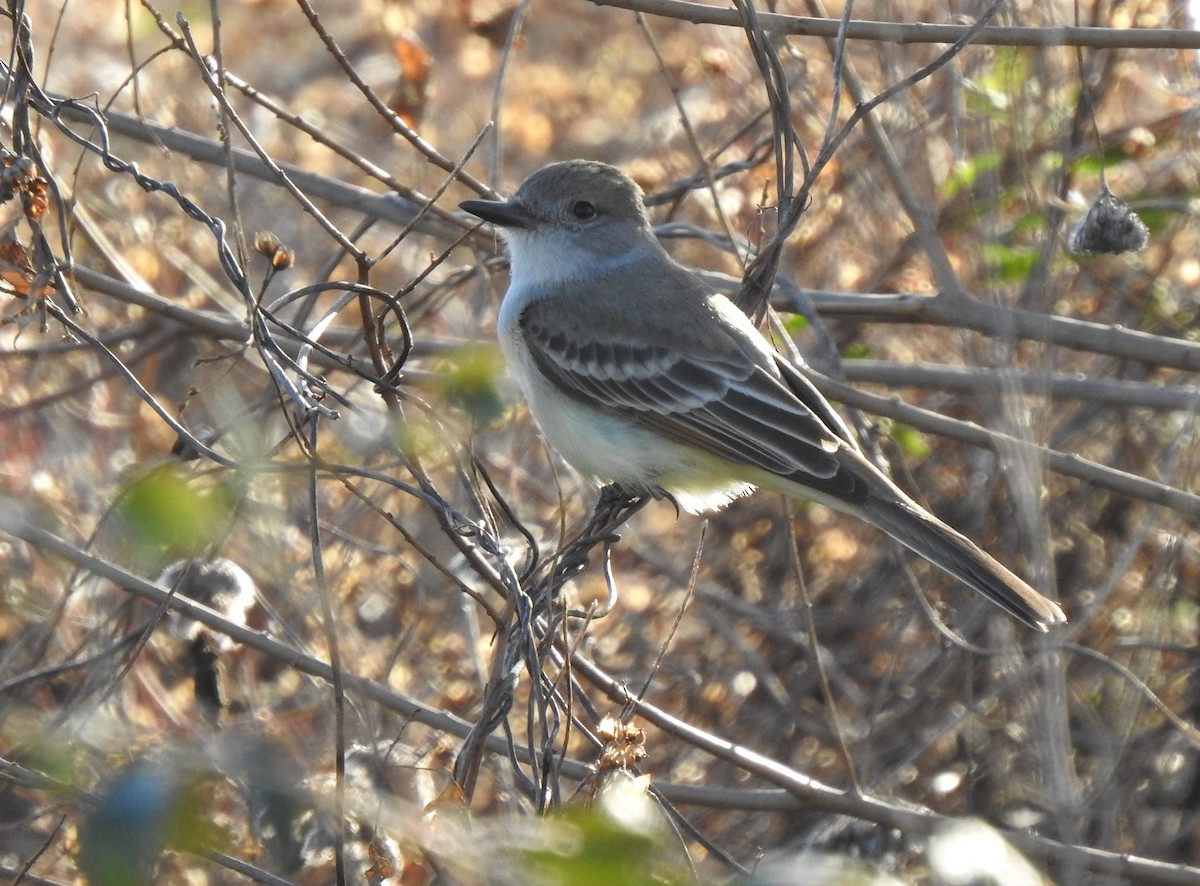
920 32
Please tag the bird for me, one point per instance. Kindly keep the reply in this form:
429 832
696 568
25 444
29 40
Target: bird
639 374
221 585
218 583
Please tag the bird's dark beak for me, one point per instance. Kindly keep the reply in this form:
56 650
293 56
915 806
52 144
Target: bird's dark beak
502 213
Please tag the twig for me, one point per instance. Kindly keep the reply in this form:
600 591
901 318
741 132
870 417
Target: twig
920 32
381 108
1054 385
811 793
941 267
215 84
390 207
1067 464
1083 335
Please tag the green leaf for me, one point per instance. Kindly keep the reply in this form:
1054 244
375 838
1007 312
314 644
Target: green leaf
167 508
911 441
795 323
1090 164
468 380
966 172
587 847
1157 219
1009 264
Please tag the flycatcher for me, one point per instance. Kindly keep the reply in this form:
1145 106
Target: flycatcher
640 375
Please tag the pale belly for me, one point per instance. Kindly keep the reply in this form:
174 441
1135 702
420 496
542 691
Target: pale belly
609 449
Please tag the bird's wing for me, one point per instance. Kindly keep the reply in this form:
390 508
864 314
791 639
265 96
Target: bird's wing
725 397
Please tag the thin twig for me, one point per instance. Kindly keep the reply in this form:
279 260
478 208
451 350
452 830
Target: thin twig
920 32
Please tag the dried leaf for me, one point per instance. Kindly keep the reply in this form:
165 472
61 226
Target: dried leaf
409 97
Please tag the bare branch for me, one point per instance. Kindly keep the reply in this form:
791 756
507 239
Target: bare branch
921 32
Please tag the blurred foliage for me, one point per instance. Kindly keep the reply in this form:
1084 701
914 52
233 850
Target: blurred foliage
168 509
469 380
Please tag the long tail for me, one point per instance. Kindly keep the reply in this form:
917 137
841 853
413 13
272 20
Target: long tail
926 535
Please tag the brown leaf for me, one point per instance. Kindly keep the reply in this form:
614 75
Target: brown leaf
34 199
15 267
411 92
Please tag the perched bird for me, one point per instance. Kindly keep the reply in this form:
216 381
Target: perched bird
219 584
640 375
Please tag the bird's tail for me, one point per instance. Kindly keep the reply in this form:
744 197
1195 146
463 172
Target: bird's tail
947 549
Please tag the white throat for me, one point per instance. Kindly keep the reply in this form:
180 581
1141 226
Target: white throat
547 259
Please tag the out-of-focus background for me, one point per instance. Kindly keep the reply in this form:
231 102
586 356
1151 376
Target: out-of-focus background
283 356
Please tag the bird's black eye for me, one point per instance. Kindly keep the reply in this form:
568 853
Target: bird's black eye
583 210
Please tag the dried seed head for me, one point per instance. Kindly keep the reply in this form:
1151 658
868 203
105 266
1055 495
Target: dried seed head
1109 226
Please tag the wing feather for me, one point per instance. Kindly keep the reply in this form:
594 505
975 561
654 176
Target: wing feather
723 401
